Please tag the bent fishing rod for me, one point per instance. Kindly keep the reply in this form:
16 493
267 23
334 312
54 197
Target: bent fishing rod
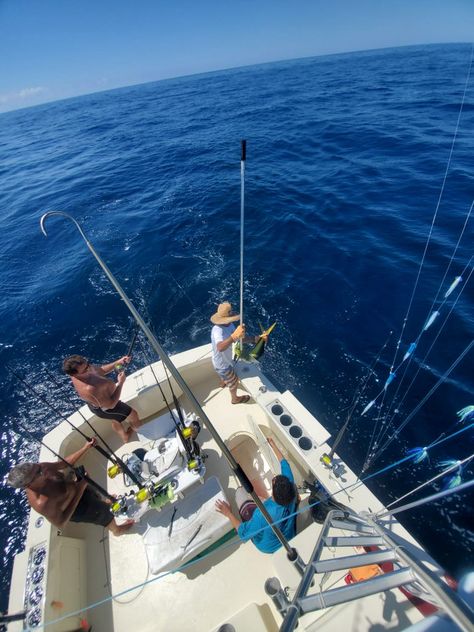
108 455
195 405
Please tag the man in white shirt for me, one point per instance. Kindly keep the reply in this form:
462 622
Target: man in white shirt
223 334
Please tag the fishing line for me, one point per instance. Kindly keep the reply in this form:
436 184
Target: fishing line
44 401
111 454
108 455
79 471
423 501
391 371
232 543
355 400
190 451
423 360
427 396
433 479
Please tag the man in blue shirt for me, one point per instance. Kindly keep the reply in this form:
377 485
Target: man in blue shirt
281 507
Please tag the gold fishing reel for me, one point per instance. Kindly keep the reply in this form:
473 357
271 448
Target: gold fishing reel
326 460
113 470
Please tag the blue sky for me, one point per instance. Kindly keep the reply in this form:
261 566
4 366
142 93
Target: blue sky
53 49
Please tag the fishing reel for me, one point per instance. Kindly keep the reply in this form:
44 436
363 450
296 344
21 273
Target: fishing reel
327 461
157 494
195 464
192 431
120 506
113 470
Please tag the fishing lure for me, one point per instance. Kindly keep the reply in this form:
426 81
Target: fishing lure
410 350
466 413
455 478
431 320
418 454
390 379
453 286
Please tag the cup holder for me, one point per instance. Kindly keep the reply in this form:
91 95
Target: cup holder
295 431
277 410
286 420
305 443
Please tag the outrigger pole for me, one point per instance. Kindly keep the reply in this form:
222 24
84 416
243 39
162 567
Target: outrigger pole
236 468
108 455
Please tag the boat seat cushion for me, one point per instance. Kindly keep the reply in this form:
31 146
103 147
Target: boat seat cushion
184 528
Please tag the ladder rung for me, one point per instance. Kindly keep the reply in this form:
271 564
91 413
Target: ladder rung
351 526
368 540
335 596
363 559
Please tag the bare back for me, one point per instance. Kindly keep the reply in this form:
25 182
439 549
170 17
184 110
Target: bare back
95 388
56 499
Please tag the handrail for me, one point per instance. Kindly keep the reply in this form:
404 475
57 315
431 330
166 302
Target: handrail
457 608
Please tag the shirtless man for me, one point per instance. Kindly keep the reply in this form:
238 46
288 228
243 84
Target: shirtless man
60 500
102 394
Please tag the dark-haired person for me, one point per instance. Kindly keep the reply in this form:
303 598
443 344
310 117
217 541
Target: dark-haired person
60 500
223 334
252 525
102 394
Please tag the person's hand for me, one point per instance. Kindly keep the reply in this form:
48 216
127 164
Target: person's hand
90 444
238 333
260 337
121 361
223 507
121 377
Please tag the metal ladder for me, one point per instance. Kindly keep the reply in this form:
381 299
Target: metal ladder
407 570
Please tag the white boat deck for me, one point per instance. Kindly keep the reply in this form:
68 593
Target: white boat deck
227 584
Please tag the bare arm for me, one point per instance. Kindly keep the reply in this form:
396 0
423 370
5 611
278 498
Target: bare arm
108 368
224 508
72 458
115 395
225 344
275 449
234 336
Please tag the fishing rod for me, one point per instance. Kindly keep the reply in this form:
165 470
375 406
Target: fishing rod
195 405
78 471
185 433
108 455
134 339
153 493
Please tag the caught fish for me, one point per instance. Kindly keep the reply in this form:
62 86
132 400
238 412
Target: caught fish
257 351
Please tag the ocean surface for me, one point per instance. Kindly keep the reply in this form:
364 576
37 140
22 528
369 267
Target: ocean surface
353 160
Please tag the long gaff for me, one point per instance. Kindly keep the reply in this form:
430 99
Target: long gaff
238 471
243 157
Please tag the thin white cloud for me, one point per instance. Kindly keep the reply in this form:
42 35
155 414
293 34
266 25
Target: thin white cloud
22 95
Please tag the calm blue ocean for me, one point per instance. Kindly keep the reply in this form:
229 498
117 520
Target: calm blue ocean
347 156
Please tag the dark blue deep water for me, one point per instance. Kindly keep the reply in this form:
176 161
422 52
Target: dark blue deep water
347 155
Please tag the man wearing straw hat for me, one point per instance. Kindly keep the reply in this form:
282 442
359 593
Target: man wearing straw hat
223 334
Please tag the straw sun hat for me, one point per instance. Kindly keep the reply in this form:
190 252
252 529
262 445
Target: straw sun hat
224 315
